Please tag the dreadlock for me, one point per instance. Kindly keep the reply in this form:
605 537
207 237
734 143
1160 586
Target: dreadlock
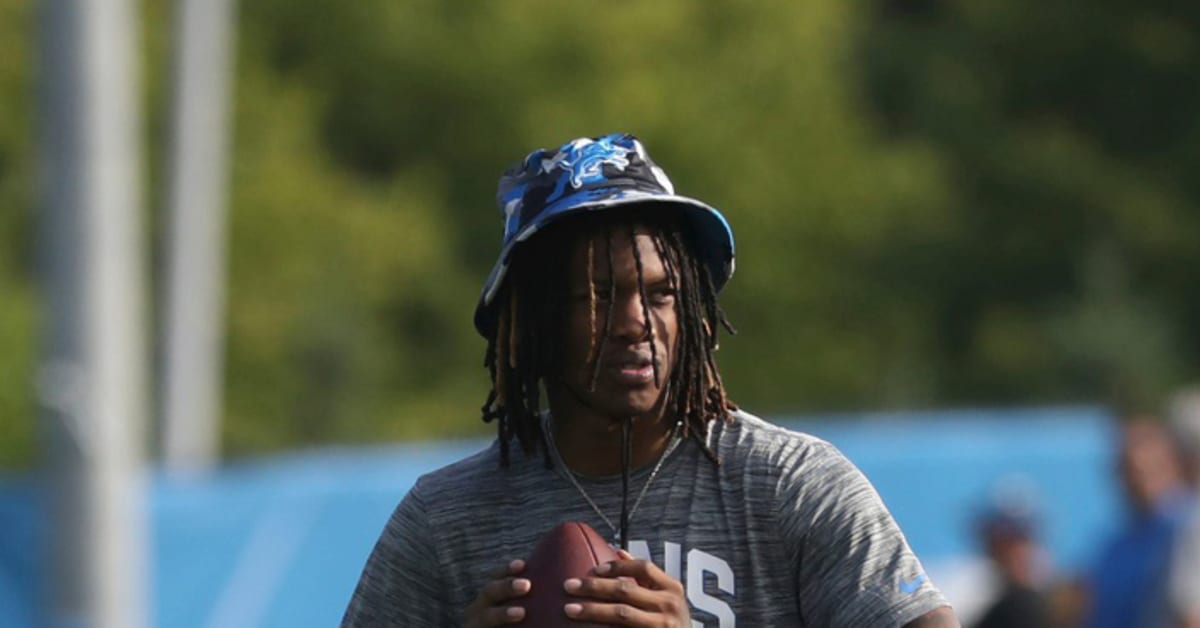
533 299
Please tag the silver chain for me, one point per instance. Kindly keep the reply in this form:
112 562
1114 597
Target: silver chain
546 429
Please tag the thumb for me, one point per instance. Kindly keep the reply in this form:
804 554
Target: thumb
624 555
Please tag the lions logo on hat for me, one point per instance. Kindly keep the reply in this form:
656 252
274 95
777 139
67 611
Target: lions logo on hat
584 160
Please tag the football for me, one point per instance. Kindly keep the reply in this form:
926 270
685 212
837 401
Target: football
570 550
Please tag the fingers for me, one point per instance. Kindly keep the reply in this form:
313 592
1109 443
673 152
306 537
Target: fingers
611 614
490 607
624 590
504 584
495 616
618 596
513 568
629 605
645 572
503 590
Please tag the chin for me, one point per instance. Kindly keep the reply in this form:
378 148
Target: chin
616 401
634 405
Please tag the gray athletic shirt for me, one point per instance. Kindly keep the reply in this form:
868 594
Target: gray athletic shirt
785 532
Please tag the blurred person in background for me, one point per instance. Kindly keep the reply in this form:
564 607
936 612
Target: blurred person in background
1127 586
1183 586
1007 530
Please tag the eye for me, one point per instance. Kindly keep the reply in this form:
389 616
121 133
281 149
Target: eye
582 296
662 296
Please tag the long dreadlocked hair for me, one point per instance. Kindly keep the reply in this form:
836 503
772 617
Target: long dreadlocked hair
520 354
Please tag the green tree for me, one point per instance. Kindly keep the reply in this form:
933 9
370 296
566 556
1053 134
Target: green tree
18 303
1068 138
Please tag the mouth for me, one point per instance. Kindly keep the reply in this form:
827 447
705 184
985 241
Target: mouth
633 369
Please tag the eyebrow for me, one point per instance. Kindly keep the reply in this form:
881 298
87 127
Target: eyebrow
659 282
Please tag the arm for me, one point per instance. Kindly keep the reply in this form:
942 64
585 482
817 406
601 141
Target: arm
937 618
401 582
854 566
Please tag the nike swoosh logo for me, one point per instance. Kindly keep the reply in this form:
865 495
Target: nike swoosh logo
909 586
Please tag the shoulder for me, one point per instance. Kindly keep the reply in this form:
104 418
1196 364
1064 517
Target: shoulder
787 466
479 464
478 479
853 565
748 440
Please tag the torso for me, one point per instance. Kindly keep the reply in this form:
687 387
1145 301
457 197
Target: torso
716 529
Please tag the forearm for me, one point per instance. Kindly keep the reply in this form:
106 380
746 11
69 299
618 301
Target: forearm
937 618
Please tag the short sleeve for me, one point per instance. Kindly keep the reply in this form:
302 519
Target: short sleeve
401 582
853 564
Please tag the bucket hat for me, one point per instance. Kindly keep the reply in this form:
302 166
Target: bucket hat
588 175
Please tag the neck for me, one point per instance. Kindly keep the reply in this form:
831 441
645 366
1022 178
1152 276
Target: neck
589 441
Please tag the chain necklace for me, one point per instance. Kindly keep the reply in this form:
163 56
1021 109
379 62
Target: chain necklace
570 475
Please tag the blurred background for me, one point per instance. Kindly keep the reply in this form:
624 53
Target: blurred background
966 241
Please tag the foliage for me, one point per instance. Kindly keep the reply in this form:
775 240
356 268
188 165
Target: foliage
1069 139
18 308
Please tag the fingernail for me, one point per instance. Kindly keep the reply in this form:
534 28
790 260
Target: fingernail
514 612
573 609
603 569
520 585
572 584
516 564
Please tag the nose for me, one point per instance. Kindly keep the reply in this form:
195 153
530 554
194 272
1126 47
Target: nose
629 319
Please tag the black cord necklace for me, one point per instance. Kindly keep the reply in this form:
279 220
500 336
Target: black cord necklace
626 455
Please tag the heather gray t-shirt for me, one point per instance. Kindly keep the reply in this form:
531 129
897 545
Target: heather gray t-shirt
785 532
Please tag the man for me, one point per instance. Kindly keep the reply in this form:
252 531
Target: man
1128 585
1183 580
604 297
1007 530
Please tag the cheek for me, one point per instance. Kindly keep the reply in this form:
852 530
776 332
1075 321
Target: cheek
668 329
577 339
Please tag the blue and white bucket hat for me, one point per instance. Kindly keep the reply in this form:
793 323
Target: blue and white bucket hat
592 174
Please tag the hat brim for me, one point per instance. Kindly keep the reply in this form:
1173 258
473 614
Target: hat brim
713 234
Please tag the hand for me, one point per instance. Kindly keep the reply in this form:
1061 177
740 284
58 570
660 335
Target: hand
629 592
491 607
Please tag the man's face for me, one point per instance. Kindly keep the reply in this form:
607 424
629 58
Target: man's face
625 384
1148 465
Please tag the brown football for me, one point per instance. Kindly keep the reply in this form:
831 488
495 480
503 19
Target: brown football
570 550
